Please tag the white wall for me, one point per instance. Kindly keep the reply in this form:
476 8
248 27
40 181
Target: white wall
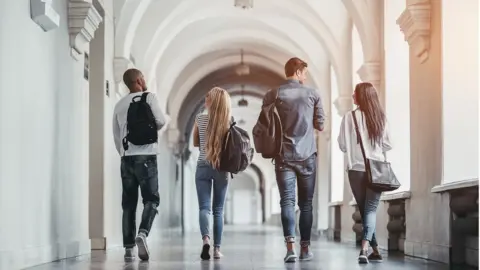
43 142
460 72
44 162
337 164
397 92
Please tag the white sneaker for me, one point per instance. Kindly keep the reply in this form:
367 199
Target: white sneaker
141 241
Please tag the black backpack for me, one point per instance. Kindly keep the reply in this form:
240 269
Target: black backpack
141 125
268 131
237 153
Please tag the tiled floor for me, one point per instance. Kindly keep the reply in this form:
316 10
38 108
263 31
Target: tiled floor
244 248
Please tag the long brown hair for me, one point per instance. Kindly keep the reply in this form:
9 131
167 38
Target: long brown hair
219 115
367 100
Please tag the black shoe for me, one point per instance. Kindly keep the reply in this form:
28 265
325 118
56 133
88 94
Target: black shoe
205 255
375 257
362 257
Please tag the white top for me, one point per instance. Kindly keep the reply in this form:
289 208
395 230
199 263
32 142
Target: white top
120 125
202 123
347 141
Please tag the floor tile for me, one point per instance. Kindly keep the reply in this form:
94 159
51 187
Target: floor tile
244 248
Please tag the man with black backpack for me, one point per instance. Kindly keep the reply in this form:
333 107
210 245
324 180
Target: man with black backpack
285 133
137 118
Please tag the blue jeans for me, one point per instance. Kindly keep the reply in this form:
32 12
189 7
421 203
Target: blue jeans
302 173
367 202
138 171
205 177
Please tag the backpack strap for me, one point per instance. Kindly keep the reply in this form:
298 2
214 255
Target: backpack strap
144 97
275 91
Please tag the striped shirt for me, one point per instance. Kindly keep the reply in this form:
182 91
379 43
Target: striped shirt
202 122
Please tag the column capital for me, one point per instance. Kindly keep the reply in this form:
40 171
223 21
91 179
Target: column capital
83 21
371 72
414 22
120 65
173 137
343 104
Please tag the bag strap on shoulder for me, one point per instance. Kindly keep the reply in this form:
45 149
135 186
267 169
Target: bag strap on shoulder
144 97
359 138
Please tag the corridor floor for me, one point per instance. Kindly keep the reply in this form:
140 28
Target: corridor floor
244 248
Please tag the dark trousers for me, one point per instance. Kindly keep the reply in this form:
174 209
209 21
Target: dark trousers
302 173
138 171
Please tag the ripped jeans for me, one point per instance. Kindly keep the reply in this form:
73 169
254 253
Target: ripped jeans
207 177
138 171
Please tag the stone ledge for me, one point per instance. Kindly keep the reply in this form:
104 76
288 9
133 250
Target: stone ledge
396 196
336 203
455 185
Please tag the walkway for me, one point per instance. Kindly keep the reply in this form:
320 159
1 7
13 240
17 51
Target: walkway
259 248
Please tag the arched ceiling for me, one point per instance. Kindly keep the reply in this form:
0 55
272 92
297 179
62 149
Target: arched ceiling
185 47
256 84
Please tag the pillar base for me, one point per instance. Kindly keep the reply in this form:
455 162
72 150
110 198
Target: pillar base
99 243
428 251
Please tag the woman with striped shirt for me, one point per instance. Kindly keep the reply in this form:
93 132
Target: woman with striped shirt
209 131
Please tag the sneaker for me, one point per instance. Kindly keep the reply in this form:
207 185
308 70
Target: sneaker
129 256
375 257
217 254
205 255
305 254
142 246
290 257
362 257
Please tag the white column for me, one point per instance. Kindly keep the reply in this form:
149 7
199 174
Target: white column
397 96
427 215
97 140
323 156
323 181
343 104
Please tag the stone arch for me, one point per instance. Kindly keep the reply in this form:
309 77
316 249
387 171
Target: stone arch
229 37
193 100
308 19
262 186
130 16
367 28
209 65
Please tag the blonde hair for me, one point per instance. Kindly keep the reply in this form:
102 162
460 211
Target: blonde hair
219 116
